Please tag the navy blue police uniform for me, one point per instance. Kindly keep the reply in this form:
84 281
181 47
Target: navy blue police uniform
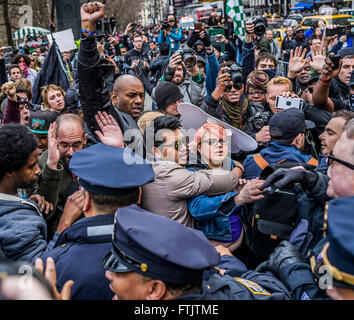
305 278
180 255
79 250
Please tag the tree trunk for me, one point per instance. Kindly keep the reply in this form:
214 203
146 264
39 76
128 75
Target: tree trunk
5 12
52 11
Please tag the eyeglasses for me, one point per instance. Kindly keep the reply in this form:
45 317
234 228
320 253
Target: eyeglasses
171 21
331 159
215 142
178 143
65 146
253 93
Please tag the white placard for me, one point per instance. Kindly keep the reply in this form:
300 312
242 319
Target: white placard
64 39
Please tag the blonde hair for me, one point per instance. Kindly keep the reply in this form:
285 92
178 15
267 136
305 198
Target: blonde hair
147 118
281 81
46 89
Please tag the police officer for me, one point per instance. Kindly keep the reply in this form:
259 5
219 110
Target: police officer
338 252
331 261
111 178
152 258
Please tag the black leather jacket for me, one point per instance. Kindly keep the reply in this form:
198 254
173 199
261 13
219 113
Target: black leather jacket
94 95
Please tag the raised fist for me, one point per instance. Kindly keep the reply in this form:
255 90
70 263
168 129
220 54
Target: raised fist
92 12
9 88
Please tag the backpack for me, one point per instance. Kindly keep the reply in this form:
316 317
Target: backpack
271 220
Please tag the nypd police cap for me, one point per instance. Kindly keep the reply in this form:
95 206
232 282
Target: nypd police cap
107 170
338 253
159 248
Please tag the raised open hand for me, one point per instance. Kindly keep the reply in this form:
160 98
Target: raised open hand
297 61
111 134
317 59
53 148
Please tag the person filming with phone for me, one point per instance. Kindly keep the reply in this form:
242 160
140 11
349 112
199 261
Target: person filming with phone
335 90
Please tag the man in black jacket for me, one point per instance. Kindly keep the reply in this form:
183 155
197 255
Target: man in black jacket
93 91
159 64
137 62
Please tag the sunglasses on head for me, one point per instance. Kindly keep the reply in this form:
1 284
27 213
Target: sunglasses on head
331 159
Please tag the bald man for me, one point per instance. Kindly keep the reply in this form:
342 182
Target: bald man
126 101
128 95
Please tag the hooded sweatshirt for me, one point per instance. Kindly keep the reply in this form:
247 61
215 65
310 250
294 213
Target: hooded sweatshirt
23 231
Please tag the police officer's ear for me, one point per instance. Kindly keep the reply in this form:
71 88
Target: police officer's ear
156 290
87 202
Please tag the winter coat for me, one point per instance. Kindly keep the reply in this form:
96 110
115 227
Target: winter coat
23 231
173 185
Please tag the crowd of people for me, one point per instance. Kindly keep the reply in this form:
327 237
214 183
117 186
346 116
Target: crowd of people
176 166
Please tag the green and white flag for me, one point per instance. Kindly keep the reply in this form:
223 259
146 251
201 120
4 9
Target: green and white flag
235 10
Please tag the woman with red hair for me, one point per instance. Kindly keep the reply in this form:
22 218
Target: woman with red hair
216 216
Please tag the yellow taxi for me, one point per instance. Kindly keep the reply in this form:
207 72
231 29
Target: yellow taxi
338 19
279 34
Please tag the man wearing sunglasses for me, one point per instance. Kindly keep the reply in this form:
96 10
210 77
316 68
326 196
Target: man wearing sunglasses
296 269
173 185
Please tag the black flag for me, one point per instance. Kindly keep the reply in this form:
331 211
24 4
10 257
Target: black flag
52 72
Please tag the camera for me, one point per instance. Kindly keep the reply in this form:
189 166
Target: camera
340 31
188 57
260 119
236 76
288 103
165 25
260 26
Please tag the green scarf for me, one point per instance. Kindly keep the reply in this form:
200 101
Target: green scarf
234 113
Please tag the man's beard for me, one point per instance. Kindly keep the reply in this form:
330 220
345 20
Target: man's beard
26 185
